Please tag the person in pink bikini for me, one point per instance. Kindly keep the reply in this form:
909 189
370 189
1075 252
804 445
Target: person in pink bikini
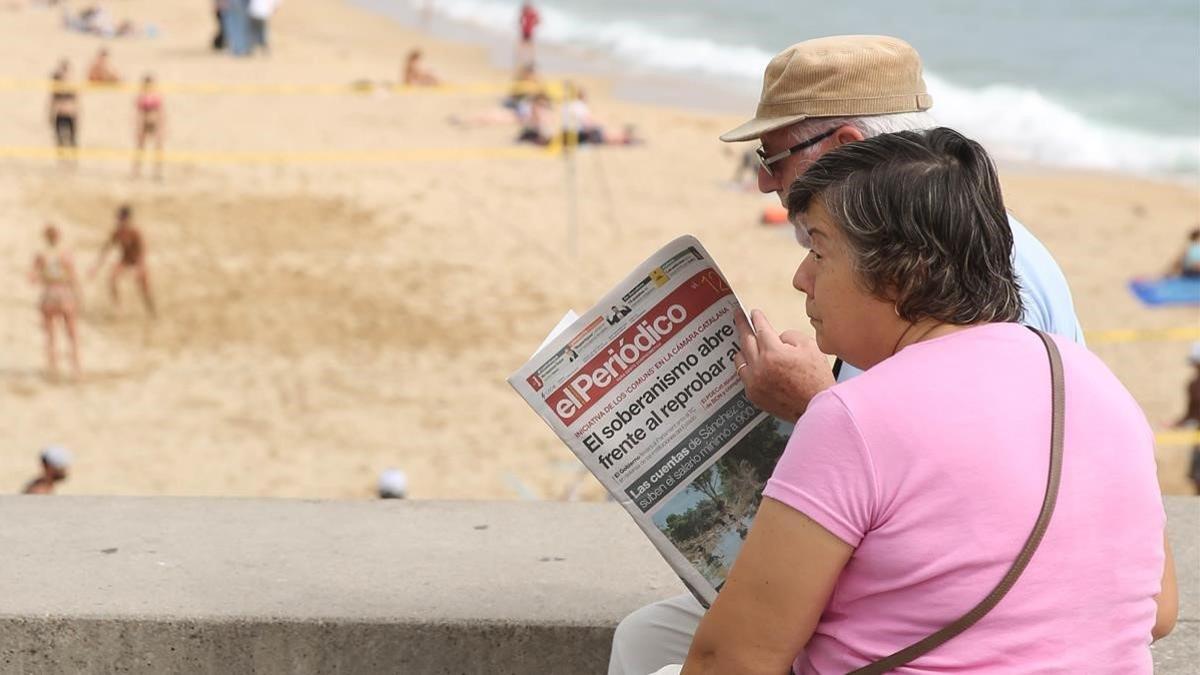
151 125
906 493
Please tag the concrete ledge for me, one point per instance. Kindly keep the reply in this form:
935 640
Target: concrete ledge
101 585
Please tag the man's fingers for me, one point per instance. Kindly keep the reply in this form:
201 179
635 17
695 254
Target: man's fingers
746 337
794 338
767 337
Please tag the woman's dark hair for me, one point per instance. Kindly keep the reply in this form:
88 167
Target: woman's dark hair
925 221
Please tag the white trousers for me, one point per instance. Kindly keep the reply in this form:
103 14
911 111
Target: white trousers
655 636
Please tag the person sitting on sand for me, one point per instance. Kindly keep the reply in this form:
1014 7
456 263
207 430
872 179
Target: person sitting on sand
525 86
415 73
151 124
534 115
55 462
54 270
128 239
393 484
1187 265
101 71
63 112
579 121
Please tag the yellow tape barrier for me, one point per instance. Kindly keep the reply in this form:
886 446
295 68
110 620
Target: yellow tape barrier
1132 335
285 158
359 88
1177 437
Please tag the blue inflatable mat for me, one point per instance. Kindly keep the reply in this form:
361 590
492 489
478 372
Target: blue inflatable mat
1168 291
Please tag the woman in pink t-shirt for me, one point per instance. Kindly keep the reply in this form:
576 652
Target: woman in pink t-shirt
906 493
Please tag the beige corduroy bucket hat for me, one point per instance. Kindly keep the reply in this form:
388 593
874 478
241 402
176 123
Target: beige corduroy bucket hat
840 76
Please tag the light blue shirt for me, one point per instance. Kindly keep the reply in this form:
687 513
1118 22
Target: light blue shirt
1044 291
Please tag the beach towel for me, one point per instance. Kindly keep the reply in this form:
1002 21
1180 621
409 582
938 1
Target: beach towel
1167 291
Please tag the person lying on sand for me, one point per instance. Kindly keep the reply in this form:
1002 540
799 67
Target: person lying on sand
579 120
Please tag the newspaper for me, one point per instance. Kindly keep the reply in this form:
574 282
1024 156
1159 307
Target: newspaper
643 389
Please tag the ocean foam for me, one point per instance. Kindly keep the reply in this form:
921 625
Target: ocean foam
1015 123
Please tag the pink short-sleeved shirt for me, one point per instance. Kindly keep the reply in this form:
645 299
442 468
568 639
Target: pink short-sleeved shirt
933 466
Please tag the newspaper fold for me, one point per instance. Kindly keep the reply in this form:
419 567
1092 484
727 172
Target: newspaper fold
643 389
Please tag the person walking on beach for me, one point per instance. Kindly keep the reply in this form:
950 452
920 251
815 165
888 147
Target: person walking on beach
131 245
817 96
56 460
54 270
527 23
150 126
63 112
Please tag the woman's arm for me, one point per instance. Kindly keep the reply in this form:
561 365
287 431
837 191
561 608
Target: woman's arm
1168 598
773 597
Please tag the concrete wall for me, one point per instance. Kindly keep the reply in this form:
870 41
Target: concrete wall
101 585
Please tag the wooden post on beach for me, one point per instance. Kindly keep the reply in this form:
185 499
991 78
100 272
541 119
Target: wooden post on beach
569 138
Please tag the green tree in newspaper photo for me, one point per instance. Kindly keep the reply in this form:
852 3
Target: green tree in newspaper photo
709 520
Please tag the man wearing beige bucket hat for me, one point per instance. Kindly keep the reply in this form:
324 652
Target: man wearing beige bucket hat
818 95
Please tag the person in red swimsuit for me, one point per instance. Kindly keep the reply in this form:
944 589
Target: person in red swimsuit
151 123
128 240
528 21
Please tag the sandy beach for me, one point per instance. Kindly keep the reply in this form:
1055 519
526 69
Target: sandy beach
345 281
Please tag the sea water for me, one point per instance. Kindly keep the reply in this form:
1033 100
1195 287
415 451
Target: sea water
1111 85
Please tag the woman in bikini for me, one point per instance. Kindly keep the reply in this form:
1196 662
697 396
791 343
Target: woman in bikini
128 240
63 111
151 121
54 271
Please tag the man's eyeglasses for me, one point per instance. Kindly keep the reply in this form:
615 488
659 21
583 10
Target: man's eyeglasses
766 162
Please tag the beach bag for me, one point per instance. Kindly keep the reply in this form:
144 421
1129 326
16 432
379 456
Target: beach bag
1057 416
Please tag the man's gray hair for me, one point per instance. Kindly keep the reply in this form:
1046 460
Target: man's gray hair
870 125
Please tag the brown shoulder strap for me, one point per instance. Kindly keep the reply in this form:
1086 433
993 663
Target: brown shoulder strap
1058 394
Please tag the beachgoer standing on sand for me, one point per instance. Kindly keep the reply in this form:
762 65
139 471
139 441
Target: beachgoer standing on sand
151 125
527 22
63 112
54 271
127 238
1191 415
55 462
